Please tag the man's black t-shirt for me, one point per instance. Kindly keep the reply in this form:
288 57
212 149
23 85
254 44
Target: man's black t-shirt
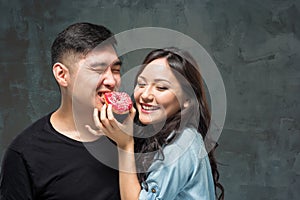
42 164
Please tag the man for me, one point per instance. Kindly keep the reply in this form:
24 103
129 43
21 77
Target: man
49 159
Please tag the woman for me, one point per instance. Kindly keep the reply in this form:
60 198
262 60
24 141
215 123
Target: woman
167 153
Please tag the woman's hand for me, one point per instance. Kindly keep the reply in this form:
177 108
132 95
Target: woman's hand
121 133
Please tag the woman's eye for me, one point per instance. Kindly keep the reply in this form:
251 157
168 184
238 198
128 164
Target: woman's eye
141 84
161 88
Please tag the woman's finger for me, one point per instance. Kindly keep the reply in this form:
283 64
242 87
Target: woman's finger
96 118
94 132
103 113
110 116
131 116
132 113
103 117
106 123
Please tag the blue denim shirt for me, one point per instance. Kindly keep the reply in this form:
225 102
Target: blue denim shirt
184 174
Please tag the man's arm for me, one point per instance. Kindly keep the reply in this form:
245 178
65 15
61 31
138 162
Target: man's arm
15 182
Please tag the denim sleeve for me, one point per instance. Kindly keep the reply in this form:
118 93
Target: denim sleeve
187 177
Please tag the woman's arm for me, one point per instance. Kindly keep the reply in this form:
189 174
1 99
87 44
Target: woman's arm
129 185
122 134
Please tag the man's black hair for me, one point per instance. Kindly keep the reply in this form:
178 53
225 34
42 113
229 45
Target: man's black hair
78 38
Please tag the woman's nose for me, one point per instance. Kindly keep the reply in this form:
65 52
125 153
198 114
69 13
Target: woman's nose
147 94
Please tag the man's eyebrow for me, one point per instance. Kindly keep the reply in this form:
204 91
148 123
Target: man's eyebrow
117 62
105 64
99 64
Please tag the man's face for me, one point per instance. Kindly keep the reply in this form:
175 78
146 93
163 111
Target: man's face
98 72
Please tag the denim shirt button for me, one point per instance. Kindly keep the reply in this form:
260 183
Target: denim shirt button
153 190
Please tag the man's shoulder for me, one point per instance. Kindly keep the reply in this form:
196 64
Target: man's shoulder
29 134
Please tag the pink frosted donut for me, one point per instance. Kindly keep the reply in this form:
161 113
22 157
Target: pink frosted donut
120 101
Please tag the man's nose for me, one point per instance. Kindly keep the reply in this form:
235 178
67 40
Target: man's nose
108 78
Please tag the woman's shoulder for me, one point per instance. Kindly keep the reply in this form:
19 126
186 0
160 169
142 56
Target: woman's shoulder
188 145
188 139
181 169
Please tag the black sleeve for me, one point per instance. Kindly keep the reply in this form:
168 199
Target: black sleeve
15 182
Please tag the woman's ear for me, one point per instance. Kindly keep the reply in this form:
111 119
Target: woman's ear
61 74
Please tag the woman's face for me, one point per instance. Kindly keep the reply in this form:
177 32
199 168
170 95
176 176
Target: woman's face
158 93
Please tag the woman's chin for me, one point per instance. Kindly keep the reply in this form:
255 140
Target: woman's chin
146 122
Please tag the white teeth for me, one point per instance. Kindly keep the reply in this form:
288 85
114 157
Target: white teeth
149 107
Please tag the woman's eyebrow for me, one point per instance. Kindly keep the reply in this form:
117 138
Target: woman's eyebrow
162 80
141 77
156 80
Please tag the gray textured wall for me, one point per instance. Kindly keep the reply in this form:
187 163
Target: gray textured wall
255 45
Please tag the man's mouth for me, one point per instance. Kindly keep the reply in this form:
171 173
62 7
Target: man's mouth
101 97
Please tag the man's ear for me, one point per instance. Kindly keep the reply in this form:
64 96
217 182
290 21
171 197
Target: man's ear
61 74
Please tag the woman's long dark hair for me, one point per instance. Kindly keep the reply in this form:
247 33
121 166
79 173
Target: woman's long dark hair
185 65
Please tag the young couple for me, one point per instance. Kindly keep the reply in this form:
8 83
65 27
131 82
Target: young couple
165 160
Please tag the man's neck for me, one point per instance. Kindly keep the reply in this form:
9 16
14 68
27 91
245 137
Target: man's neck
63 122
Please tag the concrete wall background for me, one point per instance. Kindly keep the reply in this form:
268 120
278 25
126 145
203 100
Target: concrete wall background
255 45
